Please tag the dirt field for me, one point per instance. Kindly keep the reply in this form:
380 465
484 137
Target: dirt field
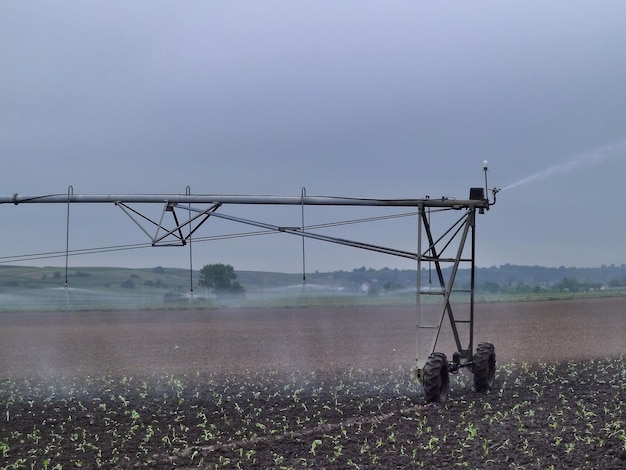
317 388
52 343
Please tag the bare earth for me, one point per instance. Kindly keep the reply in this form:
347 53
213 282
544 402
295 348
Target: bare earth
51 343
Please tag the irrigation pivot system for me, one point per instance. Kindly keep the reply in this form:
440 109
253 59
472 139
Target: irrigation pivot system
440 254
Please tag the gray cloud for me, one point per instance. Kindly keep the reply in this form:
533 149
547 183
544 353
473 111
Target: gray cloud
360 99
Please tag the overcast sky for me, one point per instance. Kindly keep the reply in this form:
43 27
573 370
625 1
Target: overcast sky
372 99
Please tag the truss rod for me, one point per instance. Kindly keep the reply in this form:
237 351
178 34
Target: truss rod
104 249
298 231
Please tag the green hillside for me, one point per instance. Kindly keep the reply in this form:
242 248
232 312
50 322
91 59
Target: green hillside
93 277
23 287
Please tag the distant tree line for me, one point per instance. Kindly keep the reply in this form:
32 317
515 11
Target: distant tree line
501 279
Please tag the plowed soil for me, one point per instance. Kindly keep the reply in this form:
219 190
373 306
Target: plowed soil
321 388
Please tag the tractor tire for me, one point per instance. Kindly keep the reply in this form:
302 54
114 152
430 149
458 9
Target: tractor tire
436 378
484 366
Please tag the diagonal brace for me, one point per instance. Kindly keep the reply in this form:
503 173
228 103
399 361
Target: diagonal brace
176 232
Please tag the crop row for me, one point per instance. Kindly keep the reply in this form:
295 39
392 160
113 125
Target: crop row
566 415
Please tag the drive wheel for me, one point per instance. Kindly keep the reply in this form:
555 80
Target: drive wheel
484 367
436 378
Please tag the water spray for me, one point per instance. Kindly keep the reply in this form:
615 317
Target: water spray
587 159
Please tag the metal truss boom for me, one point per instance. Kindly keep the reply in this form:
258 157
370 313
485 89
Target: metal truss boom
455 236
